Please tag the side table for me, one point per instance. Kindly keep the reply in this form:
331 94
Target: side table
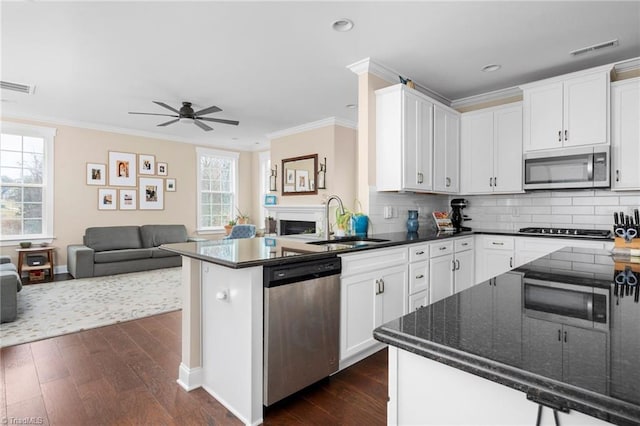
48 265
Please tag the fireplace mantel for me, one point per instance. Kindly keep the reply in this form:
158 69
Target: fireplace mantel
306 212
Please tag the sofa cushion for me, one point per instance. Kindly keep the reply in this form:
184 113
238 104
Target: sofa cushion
120 255
105 238
158 252
155 235
8 267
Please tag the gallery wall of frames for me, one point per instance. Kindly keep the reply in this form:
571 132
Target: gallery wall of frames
131 182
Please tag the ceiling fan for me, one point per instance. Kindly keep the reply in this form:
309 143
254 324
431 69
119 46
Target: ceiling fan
187 115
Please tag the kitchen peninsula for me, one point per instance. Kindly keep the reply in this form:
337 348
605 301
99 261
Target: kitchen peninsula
553 330
222 327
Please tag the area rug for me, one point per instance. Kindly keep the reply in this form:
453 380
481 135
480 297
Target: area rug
52 309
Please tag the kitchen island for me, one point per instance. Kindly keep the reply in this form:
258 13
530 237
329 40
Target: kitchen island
558 333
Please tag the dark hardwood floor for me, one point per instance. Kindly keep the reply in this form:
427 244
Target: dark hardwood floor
125 374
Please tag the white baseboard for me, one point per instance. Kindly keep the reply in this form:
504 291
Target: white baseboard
231 408
348 362
189 378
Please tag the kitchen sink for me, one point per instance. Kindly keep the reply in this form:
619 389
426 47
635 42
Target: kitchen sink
348 242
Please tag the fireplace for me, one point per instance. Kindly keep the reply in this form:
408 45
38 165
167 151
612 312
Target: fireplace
304 220
294 227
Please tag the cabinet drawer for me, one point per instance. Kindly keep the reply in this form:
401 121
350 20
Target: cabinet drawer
418 276
440 249
418 300
498 243
373 260
418 252
463 244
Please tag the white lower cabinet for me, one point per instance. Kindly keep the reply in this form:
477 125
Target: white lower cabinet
441 277
494 256
369 299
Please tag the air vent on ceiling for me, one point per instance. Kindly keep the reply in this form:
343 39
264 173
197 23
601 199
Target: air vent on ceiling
17 87
610 43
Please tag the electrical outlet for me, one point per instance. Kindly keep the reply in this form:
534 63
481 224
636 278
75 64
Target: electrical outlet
388 212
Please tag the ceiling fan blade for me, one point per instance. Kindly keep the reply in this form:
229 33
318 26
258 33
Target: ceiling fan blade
208 110
162 104
219 120
202 125
150 113
168 122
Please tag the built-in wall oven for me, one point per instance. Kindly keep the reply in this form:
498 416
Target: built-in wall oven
550 297
581 167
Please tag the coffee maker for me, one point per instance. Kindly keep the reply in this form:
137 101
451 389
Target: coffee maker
457 204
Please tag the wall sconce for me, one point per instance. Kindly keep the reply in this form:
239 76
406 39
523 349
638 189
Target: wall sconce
322 183
272 179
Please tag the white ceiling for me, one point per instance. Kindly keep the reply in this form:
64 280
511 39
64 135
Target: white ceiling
277 65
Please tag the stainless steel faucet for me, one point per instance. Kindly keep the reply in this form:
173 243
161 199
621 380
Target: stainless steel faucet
326 223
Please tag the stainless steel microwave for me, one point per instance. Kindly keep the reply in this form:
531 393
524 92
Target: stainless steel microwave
581 167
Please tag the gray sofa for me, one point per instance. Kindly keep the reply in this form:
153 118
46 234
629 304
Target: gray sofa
10 285
109 250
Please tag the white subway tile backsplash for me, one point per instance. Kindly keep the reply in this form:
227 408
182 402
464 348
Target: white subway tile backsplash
559 201
573 193
514 202
592 201
555 218
572 210
601 220
535 210
630 200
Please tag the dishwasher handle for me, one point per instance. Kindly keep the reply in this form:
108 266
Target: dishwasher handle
274 276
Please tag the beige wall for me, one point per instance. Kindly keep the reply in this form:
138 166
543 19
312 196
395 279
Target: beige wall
76 204
338 145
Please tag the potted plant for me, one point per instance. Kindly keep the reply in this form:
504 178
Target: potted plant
343 222
241 218
269 225
229 225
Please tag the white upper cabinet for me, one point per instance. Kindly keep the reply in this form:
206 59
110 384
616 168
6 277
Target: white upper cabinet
446 150
491 150
404 140
567 111
625 134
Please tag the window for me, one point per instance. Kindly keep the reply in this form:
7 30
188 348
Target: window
217 188
26 171
265 172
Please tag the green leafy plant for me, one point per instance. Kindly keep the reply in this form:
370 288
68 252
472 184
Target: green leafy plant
241 217
343 219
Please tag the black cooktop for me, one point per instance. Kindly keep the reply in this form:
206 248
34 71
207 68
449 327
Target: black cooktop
568 232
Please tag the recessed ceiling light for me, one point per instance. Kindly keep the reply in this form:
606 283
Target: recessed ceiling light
342 25
351 106
491 68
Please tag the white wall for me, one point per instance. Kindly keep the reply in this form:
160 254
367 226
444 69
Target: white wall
587 209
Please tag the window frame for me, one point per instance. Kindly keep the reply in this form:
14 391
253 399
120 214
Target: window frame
228 155
48 188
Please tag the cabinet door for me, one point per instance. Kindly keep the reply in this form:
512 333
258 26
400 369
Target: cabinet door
418 276
542 347
417 131
477 153
464 274
358 313
440 277
497 262
590 371
507 163
542 108
625 348
507 318
585 110
394 295
418 300
625 134
446 150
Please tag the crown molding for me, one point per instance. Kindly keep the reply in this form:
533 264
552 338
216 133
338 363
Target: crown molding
628 65
486 97
331 121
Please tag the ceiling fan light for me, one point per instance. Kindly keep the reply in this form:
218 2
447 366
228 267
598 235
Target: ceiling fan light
186 120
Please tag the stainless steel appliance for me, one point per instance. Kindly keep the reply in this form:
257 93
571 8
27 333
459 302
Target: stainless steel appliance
561 298
568 232
301 325
581 167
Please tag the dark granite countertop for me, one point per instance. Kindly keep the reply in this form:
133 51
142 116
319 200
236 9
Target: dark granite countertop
246 252
501 331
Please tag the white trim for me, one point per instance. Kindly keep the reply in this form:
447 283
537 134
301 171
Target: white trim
331 121
190 378
487 97
557 78
217 152
231 155
231 408
628 65
391 75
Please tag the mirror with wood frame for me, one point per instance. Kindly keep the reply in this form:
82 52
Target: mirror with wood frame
299 175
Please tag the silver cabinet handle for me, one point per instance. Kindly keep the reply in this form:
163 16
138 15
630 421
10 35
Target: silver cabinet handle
448 182
565 337
490 181
378 287
420 177
382 282
497 244
465 244
453 265
511 262
559 335
419 252
566 135
617 175
419 276
457 265
559 135
495 181
443 248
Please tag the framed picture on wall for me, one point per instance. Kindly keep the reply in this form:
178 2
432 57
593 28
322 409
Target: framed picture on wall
170 184
96 174
151 193
122 169
302 180
146 164
107 199
269 200
128 199
290 176
163 169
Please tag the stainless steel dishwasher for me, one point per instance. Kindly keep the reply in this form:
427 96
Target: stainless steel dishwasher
301 325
